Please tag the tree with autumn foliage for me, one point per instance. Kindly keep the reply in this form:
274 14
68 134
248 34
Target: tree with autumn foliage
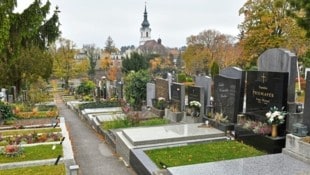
93 54
66 66
301 12
196 59
267 25
207 47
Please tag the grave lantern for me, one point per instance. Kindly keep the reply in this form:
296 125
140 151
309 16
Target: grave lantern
210 108
300 130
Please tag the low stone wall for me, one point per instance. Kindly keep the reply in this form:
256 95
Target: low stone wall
158 112
174 116
141 163
297 148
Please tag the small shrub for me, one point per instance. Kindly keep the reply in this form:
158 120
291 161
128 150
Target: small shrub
40 114
153 122
101 104
6 112
132 122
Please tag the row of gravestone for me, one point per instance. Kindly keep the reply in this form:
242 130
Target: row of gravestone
272 85
10 95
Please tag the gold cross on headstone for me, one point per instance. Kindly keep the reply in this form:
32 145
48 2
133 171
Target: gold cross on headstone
263 77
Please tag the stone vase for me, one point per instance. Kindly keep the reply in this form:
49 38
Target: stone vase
274 130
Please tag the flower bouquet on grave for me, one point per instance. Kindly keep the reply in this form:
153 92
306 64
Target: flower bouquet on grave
275 117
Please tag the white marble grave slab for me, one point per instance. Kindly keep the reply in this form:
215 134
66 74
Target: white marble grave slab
274 164
170 133
74 104
108 117
102 110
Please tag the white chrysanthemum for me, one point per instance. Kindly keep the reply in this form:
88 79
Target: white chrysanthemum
268 114
161 99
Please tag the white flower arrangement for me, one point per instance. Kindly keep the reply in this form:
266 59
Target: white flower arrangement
161 99
275 116
195 104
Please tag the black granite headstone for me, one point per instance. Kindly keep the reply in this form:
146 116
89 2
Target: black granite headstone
266 90
227 97
196 93
178 96
236 73
306 115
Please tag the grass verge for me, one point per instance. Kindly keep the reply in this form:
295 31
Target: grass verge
201 153
37 170
39 152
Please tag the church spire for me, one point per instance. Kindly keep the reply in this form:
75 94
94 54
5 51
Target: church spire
145 29
145 22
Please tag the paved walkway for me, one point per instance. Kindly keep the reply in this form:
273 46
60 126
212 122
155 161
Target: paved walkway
90 151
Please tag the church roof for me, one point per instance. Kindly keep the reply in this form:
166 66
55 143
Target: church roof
152 46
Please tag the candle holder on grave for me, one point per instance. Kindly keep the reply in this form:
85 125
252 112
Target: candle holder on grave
300 130
210 109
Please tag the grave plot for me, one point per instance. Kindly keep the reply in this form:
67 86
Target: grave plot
133 138
96 116
265 90
32 146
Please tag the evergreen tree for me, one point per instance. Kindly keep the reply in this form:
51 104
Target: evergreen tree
135 63
109 45
22 35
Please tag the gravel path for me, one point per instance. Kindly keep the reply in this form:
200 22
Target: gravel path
90 151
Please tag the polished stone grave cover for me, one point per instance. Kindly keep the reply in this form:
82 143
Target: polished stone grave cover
170 133
161 136
276 164
101 110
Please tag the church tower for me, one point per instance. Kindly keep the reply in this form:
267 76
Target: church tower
145 29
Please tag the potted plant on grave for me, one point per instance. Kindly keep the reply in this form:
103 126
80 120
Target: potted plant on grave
275 117
195 108
159 106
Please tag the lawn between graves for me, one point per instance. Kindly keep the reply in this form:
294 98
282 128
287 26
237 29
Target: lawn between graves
39 152
127 123
201 153
59 169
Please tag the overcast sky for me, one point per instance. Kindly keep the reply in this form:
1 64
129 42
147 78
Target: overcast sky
92 21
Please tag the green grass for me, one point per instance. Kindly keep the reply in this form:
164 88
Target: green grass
202 153
126 123
28 131
39 152
37 170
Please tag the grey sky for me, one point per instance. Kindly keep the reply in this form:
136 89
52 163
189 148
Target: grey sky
92 21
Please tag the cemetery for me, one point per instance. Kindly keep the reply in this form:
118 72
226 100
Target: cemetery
255 108
252 109
207 103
